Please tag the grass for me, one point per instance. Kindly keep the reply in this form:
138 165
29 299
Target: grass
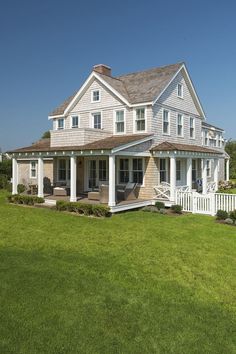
134 283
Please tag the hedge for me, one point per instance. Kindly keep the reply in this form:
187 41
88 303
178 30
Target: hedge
24 199
83 208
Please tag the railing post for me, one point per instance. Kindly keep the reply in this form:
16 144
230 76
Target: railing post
194 202
212 201
14 175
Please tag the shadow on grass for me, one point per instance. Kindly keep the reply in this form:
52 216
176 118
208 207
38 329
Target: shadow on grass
73 303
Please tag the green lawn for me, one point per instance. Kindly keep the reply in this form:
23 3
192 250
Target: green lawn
134 283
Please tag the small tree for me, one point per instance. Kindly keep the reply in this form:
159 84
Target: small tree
46 135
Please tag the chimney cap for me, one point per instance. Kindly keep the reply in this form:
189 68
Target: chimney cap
102 69
99 65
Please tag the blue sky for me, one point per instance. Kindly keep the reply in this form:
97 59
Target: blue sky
49 47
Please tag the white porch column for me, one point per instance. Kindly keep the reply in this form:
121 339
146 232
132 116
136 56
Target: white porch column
73 179
204 176
112 181
216 170
14 175
40 177
227 170
172 177
189 173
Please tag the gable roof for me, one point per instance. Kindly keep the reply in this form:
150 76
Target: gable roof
167 146
207 125
134 88
109 143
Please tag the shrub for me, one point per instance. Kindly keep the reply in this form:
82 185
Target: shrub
176 208
24 199
21 188
83 208
232 215
150 208
229 221
3 181
160 205
221 215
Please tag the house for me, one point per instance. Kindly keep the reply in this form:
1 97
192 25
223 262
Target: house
147 128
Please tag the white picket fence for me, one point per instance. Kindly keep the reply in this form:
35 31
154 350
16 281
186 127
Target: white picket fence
194 202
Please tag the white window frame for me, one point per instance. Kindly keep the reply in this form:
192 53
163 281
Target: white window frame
71 121
177 125
135 120
168 115
35 168
92 98
208 168
60 119
114 121
194 128
182 90
130 169
92 120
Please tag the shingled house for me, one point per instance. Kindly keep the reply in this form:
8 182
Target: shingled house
143 129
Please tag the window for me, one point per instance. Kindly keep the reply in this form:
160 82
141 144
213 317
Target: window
92 178
124 171
95 96
165 127
138 171
119 122
97 121
62 170
102 170
180 90
178 170
219 139
205 137
74 121
140 124
33 169
192 127
180 125
163 172
194 170
208 168
60 123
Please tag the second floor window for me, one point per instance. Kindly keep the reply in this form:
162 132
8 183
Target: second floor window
60 123
192 127
119 122
74 121
96 96
166 122
180 125
97 121
140 123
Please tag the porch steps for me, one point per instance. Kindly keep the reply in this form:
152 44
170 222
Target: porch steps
135 205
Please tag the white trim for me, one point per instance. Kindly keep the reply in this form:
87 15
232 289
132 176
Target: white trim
191 85
135 131
165 110
36 172
114 121
95 90
133 143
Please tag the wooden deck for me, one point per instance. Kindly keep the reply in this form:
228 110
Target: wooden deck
120 206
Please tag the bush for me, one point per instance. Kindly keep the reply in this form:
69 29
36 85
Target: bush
232 215
160 205
21 188
176 208
221 215
24 199
229 221
3 181
83 208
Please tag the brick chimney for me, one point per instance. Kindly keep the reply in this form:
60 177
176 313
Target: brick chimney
102 69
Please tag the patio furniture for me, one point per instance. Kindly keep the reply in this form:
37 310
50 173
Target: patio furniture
127 192
94 195
61 191
104 193
33 188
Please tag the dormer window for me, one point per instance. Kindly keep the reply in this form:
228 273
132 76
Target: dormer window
60 124
95 96
180 91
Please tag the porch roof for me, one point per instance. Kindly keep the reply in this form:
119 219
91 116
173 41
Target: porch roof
167 146
109 143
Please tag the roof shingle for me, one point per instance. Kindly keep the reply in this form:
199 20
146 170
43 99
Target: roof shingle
167 146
